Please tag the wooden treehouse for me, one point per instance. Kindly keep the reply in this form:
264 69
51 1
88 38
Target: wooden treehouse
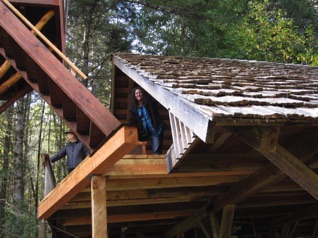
240 148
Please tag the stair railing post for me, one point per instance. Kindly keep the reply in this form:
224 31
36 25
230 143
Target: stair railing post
49 179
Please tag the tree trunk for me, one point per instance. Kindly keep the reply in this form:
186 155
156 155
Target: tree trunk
5 166
36 197
19 164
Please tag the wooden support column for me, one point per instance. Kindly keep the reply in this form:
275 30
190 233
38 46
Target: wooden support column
99 213
227 220
215 224
204 229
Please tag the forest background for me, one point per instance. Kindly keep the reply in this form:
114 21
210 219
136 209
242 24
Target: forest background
268 30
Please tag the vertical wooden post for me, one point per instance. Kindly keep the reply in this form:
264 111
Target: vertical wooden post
215 224
49 179
227 220
99 212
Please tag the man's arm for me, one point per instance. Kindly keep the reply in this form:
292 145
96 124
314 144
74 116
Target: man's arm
86 150
59 155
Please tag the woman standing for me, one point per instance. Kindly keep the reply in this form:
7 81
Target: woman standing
145 116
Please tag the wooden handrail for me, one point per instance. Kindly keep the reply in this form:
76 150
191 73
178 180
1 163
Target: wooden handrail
49 179
49 43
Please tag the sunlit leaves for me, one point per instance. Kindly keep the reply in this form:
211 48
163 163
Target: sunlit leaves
271 36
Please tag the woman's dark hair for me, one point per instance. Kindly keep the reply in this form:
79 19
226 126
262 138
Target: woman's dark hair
133 100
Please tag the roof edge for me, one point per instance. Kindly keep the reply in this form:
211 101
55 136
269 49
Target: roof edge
195 120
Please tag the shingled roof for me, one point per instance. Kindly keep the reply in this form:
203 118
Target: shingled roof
229 90
226 116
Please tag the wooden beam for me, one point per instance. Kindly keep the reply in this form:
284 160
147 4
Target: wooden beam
49 43
123 141
169 182
10 82
266 176
42 57
188 223
139 165
283 159
295 169
4 68
99 213
15 97
227 220
215 225
252 184
86 220
261 179
204 229
143 197
261 139
6 65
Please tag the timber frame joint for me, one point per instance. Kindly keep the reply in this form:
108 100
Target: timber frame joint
261 138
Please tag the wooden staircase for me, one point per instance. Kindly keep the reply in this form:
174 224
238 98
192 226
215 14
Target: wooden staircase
35 67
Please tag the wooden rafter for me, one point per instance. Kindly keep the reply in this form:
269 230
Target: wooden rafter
188 223
204 229
4 68
227 220
215 224
10 82
266 143
261 179
15 97
86 220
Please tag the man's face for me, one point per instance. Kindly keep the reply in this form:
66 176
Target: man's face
70 136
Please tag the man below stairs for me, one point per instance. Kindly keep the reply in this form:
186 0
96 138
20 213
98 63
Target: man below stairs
74 150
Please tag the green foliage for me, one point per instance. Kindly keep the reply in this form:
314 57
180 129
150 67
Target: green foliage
269 35
20 221
95 30
190 28
302 12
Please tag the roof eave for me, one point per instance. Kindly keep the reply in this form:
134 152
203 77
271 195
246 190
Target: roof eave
195 120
